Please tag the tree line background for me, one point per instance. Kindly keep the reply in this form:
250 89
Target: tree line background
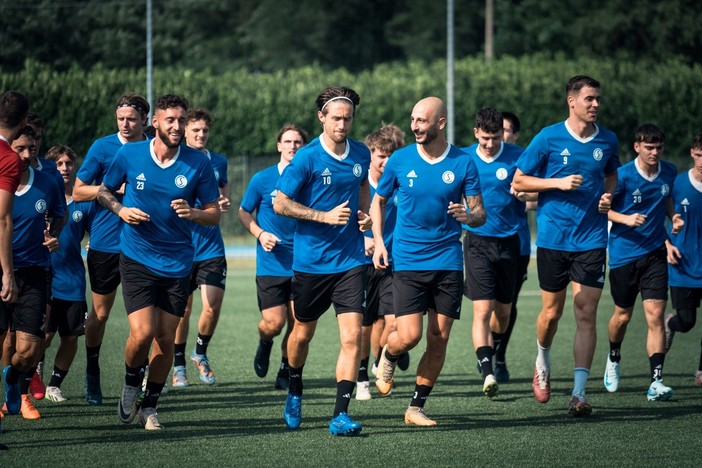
259 64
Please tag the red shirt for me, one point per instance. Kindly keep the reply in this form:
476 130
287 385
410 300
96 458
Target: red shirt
10 167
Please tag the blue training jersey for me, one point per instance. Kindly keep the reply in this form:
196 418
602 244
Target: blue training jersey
638 193
426 236
106 228
32 205
687 200
321 180
68 278
496 174
259 198
390 220
164 243
208 240
570 220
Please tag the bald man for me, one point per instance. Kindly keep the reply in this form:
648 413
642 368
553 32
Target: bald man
431 178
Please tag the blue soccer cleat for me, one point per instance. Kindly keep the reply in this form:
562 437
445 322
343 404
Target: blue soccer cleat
343 425
293 411
13 399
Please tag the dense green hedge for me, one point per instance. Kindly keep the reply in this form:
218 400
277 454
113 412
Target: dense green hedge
249 108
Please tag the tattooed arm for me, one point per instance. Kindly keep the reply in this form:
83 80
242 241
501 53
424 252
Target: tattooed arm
476 215
286 206
128 215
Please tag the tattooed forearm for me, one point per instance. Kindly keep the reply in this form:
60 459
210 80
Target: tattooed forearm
108 200
476 215
295 210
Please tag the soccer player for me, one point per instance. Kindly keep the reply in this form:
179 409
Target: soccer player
685 262
431 178
274 255
491 251
573 165
35 206
210 267
103 255
511 127
637 253
162 182
13 115
68 305
325 188
379 319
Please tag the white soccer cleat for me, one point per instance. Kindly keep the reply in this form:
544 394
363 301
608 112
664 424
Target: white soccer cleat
363 391
611 376
490 386
148 418
55 394
658 391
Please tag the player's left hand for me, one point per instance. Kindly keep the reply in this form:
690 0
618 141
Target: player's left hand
678 223
365 223
50 243
458 211
605 202
224 204
369 246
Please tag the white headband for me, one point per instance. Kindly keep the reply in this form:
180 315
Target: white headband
335 99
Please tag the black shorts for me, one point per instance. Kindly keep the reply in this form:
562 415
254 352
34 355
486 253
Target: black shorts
103 270
273 291
142 288
557 268
685 298
648 275
379 295
211 272
413 292
490 272
313 294
27 314
521 273
68 317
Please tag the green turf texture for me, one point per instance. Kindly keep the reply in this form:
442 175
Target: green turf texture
238 421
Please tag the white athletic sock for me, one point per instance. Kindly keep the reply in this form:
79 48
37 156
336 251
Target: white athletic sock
543 356
580 375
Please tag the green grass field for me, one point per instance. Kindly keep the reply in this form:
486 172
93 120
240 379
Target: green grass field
238 421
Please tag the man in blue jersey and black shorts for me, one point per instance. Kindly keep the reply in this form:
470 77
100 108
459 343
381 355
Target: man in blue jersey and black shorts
38 216
131 112
637 254
685 261
430 179
325 188
68 307
162 183
573 165
210 267
491 250
274 255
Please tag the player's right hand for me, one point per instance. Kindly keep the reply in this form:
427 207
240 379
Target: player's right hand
380 256
133 215
338 216
572 182
268 240
636 220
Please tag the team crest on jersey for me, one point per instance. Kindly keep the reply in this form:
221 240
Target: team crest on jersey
77 216
40 206
448 177
665 189
597 154
394 200
181 181
357 170
216 172
501 173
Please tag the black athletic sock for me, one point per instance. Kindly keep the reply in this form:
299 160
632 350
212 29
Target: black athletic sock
656 364
133 376
496 342
57 376
344 389
391 357
25 379
295 381
615 351
484 354
179 355
153 392
421 393
501 348
201 344
92 354
284 370
363 370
